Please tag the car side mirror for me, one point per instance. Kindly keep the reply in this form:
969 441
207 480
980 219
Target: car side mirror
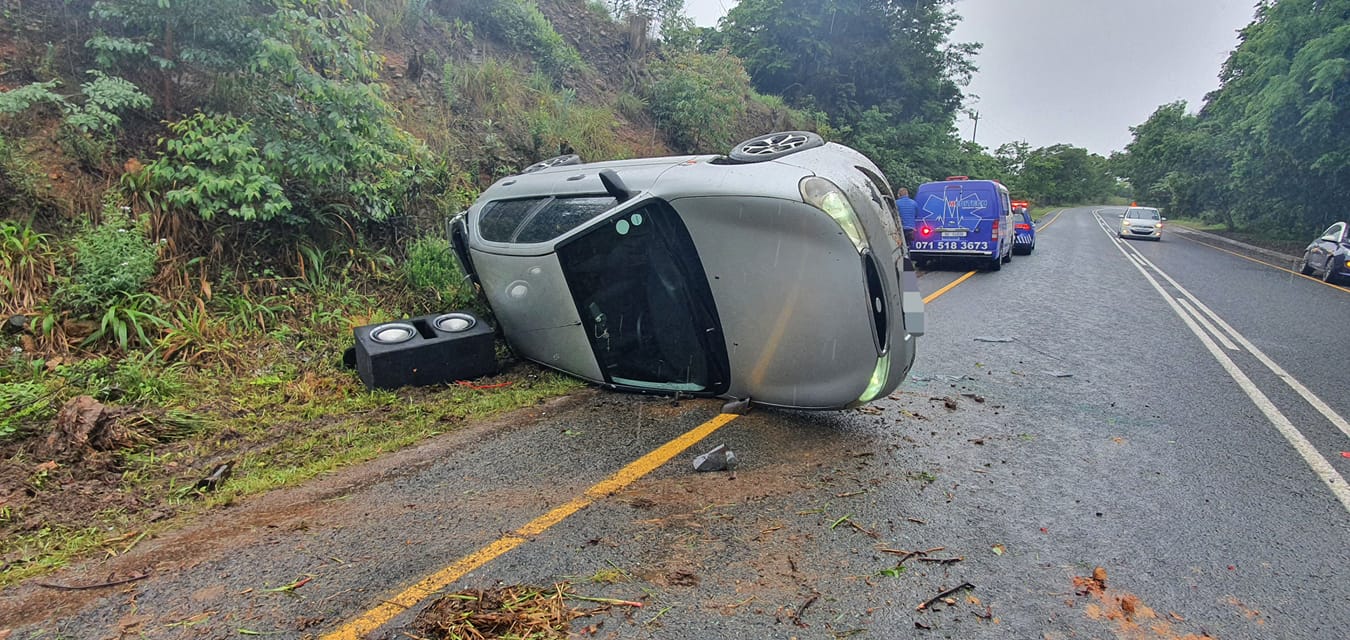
1164 220
1121 216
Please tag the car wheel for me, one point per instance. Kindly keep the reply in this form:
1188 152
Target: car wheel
772 146
1008 258
995 263
1327 273
555 161
1305 268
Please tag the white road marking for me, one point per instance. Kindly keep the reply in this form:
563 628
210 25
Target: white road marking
1311 398
1319 464
1228 344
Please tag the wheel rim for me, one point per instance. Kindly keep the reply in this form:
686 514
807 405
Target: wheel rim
774 144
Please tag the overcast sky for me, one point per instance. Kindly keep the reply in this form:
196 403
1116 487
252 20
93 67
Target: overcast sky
1081 72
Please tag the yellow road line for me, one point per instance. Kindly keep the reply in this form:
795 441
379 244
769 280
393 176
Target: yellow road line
934 295
377 617
1249 258
969 274
1052 220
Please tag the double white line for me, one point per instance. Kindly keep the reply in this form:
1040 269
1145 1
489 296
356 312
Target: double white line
1204 323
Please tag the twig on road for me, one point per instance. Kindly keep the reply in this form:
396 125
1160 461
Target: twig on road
101 585
929 602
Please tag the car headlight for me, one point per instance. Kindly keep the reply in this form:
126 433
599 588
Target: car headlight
878 380
824 195
1159 225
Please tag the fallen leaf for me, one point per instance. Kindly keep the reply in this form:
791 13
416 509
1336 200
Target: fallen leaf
998 549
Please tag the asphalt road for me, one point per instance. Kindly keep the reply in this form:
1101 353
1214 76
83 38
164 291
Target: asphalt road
1064 415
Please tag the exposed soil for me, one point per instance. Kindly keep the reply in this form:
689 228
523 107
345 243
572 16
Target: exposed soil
244 524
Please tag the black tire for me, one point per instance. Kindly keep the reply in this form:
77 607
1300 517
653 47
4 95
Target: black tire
772 146
555 161
1008 258
1327 271
995 263
1304 268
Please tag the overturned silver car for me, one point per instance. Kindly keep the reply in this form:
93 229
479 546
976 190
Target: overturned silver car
776 273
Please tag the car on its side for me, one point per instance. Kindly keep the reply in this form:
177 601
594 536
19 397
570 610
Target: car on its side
963 218
1024 232
1141 222
1329 254
776 273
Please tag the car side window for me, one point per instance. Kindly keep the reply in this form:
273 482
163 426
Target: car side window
1334 232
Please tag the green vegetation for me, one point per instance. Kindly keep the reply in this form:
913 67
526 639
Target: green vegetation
1268 150
697 98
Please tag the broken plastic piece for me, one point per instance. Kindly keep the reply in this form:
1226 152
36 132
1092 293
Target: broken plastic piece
720 458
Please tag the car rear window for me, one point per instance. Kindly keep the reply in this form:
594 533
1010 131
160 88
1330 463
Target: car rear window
531 220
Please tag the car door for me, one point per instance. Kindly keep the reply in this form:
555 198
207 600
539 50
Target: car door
1325 247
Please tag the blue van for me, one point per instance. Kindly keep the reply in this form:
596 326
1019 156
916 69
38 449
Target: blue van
963 218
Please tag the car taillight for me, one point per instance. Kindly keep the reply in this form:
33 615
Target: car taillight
926 231
995 227
1022 227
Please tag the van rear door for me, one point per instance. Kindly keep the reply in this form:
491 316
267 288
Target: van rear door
957 219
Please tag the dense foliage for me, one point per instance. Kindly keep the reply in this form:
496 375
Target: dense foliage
884 72
1271 147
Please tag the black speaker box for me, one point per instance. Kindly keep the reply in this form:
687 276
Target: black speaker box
424 351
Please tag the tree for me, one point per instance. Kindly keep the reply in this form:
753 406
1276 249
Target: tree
848 56
1062 174
1271 146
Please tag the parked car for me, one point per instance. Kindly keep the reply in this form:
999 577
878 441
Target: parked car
963 218
776 273
1329 254
1024 232
1141 222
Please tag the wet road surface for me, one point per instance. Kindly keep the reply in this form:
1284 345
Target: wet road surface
1062 416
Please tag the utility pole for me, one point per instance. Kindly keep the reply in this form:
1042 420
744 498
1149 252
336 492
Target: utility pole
975 117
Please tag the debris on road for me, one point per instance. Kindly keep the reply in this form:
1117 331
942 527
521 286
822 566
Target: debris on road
720 458
974 396
796 616
511 612
996 340
291 587
1059 374
101 585
940 378
945 594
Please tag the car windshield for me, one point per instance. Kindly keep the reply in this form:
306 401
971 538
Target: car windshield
1142 214
532 220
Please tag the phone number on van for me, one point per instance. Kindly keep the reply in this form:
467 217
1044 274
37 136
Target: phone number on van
951 245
